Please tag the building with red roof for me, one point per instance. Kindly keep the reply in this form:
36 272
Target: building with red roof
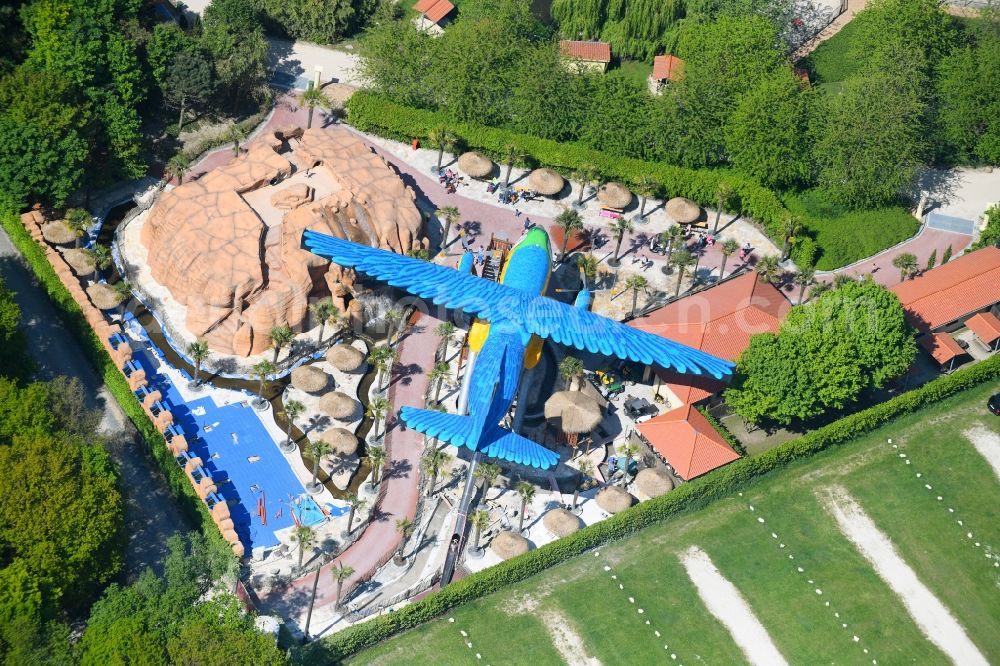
589 55
666 69
719 320
432 13
986 326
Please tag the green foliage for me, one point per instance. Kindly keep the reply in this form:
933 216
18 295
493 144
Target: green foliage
165 44
322 21
234 36
990 236
189 81
840 57
13 357
969 100
826 354
723 482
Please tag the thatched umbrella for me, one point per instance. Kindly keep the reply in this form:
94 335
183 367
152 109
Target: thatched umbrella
560 522
573 412
341 440
80 261
546 182
104 296
338 405
345 357
682 211
613 499
653 482
475 164
58 232
614 195
309 378
508 545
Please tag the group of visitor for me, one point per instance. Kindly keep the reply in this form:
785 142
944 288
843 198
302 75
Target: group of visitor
450 180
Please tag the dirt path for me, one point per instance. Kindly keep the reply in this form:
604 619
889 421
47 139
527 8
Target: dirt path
725 602
934 619
566 641
987 443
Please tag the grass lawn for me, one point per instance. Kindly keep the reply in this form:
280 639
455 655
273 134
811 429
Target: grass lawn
845 236
636 70
578 603
836 59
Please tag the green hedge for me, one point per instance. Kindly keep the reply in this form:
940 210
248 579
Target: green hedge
376 114
695 494
720 428
73 318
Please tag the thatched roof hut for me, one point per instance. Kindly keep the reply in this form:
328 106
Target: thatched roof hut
345 357
682 211
652 482
58 232
614 500
475 164
80 261
338 405
508 544
104 296
560 522
574 412
309 378
614 195
341 440
546 182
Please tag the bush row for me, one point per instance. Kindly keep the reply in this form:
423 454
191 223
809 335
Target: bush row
376 114
74 321
688 496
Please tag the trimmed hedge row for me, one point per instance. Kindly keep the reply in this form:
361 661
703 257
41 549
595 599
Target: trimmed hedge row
720 428
376 114
688 496
72 317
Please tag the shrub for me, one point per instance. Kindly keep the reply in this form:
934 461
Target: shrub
722 482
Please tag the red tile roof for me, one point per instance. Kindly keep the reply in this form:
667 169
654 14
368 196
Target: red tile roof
952 291
942 347
667 67
589 51
986 327
686 439
433 10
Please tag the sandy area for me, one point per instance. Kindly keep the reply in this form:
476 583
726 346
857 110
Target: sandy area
934 619
566 641
729 607
987 443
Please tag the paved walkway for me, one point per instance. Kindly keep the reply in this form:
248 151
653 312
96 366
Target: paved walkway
853 7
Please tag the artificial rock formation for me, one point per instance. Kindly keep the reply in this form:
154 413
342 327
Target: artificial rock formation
240 276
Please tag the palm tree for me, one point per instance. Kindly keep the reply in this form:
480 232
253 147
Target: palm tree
488 473
236 135
449 214
382 358
671 237
443 139
79 221
198 351
323 311
789 227
355 503
511 155
645 188
312 97
124 289
378 407
393 316
376 458
306 538
619 227
437 375
682 259
571 370
768 268
293 410
432 463
404 526
636 283
317 451
587 263
585 175
570 222
341 574
178 166
819 289
804 278
527 493
280 336
586 467
446 331
906 262
629 450
724 195
729 248
260 372
102 259
840 279
480 521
